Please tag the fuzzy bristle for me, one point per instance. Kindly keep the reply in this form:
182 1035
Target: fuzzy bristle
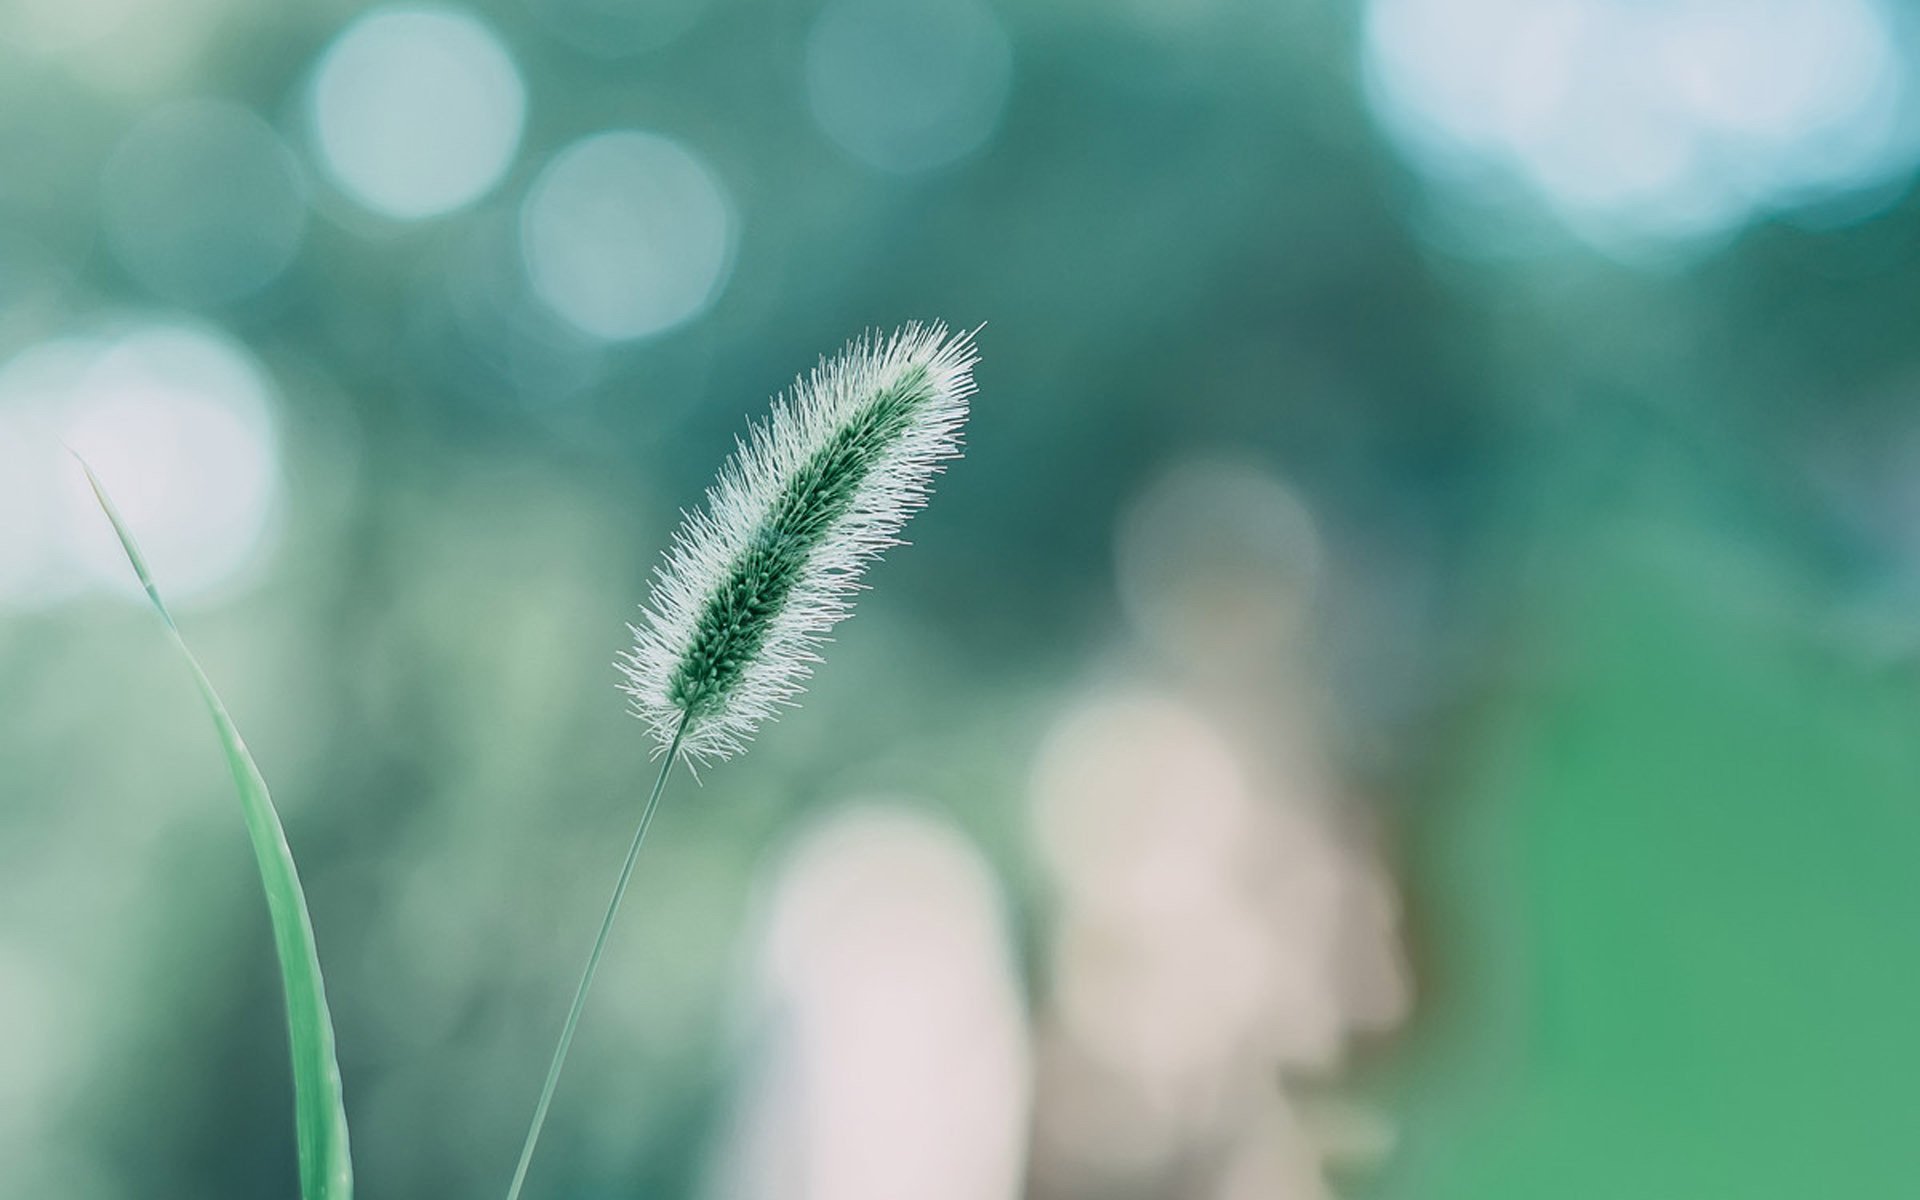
753 583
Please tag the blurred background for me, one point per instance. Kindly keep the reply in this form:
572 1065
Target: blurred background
1414 692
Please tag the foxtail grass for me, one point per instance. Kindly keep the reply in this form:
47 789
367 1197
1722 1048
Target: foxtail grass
753 582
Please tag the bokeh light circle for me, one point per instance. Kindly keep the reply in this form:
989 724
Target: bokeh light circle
908 85
1645 121
416 111
203 204
627 234
1218 563
177 420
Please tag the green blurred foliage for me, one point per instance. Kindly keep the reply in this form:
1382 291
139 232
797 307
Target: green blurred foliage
1628 661
1673 886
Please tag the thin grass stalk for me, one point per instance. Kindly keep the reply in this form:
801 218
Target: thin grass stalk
752 583
586 976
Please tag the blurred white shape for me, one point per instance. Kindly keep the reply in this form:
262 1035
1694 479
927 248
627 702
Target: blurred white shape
908 85
1282 1149
1137 800
1212 936
896 1057
175 420
1219 563
1640 122
1273 1157
416 111
203 203
627 234
1145 817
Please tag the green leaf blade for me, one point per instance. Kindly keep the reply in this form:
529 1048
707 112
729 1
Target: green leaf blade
320 1118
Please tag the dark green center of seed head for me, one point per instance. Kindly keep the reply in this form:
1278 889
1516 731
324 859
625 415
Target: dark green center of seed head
739 612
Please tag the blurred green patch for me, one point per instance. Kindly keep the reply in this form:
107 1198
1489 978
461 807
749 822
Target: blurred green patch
1674 898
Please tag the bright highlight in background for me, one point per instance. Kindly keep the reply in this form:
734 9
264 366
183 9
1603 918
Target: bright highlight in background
1217 935
1645 121
627 234
176 421
895 1055
416 111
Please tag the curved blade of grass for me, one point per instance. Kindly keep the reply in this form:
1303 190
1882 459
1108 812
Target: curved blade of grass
320 1118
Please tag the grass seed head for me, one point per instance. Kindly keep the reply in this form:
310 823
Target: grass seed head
752 583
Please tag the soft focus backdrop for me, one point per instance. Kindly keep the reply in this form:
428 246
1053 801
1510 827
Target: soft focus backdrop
1412 693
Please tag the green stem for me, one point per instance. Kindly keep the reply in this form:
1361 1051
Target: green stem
593 965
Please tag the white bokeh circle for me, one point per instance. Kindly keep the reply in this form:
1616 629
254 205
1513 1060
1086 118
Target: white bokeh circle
177 421
627 234
416 111
1638 122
